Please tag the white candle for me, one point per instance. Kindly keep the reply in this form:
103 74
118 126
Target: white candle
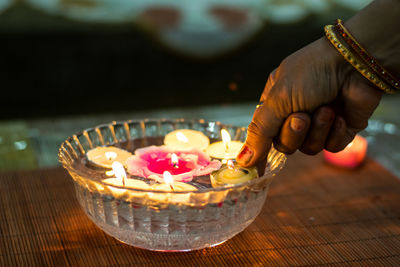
225 149
186 139
169 186
232 174
176 187
105 156
129 183
122 181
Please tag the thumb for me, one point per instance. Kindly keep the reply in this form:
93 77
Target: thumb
264 126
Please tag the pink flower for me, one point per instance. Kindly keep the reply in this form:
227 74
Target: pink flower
152 161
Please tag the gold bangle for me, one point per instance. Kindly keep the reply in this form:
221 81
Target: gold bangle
372 62
356 62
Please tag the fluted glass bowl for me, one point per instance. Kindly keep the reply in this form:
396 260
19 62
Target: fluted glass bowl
157 220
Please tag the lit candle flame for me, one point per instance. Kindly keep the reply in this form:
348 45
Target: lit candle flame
174 160
119 171
226 138
110 155
230 164
168 179
181 137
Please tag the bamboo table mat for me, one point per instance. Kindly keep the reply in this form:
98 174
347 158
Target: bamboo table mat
315 214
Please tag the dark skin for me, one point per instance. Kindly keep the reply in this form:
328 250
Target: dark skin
315 99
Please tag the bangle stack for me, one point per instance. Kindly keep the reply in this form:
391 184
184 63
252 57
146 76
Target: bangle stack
361 60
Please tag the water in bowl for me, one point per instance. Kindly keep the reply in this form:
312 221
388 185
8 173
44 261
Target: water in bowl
214 218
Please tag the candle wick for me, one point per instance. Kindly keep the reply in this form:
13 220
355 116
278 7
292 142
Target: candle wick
172 188
226 146
174 161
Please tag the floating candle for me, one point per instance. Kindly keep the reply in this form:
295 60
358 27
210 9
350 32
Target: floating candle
121 180
232 174
225 149
152 161
170 163
186 139
352 156
104 156
170 186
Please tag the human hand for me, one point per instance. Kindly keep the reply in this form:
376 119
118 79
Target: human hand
314 100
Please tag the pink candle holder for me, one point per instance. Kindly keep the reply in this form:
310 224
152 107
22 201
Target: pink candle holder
154 160
350 157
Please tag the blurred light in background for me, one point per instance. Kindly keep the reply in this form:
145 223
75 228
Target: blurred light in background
148 53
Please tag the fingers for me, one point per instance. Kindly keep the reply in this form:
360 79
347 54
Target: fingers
337 140
322 121
324 131
266 123
296 132
293 133
264 126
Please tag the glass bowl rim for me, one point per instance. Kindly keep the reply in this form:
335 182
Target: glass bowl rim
250 183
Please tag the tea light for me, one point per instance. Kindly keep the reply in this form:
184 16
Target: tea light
121 180
232 174
170 186
105 156
352 156
186 139
225 149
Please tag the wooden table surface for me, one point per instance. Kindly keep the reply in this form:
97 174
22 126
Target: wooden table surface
315 214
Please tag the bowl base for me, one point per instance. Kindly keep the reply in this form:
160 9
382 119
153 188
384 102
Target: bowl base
176 250
170 242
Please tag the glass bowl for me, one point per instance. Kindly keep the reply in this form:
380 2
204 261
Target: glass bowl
157 220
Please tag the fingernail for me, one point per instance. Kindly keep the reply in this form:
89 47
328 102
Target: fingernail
297 124
245 155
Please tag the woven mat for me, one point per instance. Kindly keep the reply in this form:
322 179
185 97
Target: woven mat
315 214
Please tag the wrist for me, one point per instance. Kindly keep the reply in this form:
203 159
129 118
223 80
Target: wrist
376 29
340 70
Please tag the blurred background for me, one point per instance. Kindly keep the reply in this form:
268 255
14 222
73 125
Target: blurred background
141 54
67 65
